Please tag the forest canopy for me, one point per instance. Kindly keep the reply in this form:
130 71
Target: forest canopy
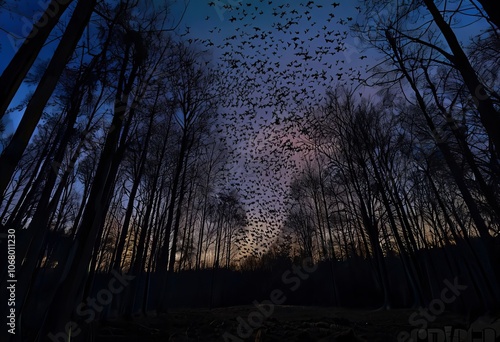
332 132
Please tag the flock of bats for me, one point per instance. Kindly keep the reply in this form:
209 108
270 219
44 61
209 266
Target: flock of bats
275 59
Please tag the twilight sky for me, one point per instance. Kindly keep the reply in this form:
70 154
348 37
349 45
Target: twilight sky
278 58
283 56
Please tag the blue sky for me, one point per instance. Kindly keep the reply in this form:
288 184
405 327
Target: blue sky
201 19
284 51
249 32
216 20
16 24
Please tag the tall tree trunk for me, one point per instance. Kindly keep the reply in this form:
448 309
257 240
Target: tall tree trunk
32 188
188 214
18 67
12 154
164 252
139 262
33 246
131 200
202 225
370 226
410 266
492 8
459 135
178 215
70 289
490 117
445 150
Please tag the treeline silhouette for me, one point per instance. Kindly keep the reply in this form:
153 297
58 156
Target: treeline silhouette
118 180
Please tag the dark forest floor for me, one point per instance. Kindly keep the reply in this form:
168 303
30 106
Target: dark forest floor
286 323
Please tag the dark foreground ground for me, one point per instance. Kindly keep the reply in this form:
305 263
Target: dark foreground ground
295 323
